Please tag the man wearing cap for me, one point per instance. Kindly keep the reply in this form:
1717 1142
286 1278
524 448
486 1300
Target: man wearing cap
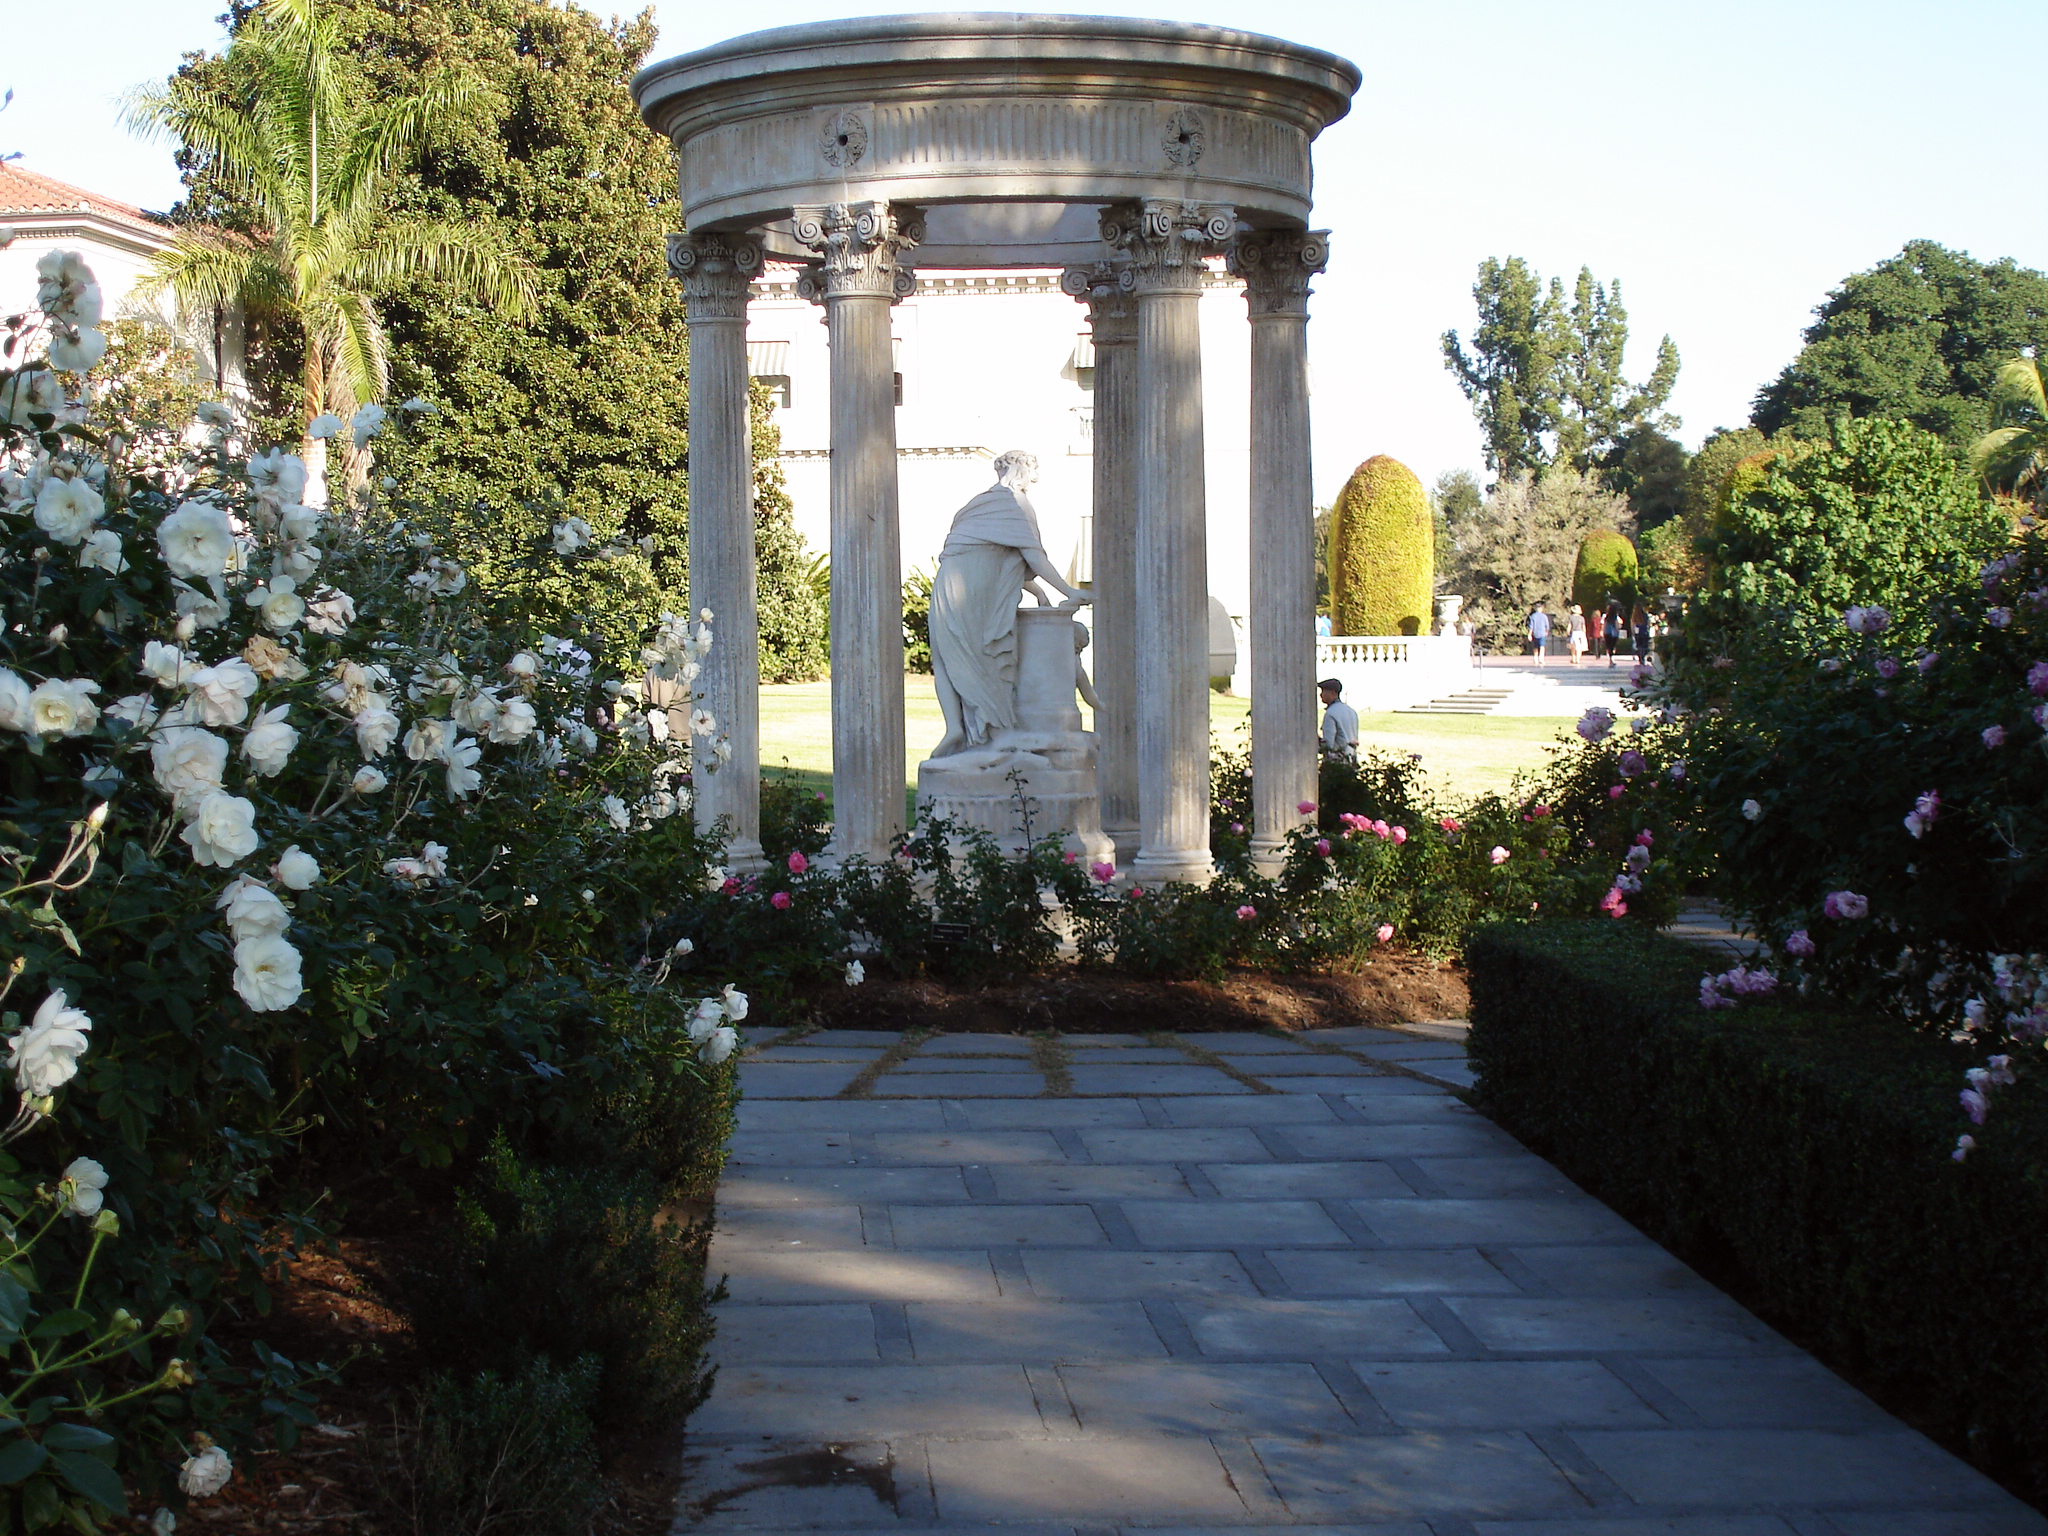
1340 721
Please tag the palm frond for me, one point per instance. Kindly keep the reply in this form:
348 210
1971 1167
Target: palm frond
204 269
383 141
464 256
361 369
2020 387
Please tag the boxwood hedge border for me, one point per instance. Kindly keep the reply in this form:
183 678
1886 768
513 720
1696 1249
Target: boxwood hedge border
1800 1158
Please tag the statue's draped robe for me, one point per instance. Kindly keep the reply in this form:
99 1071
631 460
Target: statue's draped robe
974 606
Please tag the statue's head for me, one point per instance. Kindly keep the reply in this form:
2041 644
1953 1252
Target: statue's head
1080 637
1016 469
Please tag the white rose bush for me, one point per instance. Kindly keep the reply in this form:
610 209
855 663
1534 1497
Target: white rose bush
324 865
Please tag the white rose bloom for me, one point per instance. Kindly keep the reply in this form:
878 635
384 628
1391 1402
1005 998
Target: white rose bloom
267 974
268 746
683 948
78 351
65 290
376 728
87 1178
330 612
206 1474
214 413
735 1003
221 692
703 722
44 1056
708 1015
368 781
723 750
298 870
659 806
299 562
523 664
616 813
417 404
167 664
197 610
657 724
62 708
434 860
188 763
15 714
253 910
278 604
571 535
30 392
475 713
300 524
102 552
197 541
278 476
426 739
460 755
856 973
515 722
323 426
366 423
222 830
404 869
67 509
581 737
137 710
718 1045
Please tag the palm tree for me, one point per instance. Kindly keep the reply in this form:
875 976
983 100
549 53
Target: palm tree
314 166
2015 452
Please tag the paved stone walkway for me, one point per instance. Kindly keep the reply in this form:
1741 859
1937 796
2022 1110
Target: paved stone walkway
1092 1284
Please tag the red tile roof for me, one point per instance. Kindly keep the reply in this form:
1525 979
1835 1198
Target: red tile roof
24 194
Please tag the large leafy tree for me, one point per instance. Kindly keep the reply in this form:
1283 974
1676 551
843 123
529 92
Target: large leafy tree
1544 373
279 129
1520 544
1920 337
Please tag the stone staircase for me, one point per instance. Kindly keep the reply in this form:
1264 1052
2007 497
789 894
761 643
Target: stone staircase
1472 701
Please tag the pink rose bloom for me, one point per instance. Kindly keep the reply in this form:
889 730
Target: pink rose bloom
1644 839
1998 618
1386 932
1965 1144
2037 679
1799 942
1678 773
1306 807
1400 835
1136 891
1975 1105
1237 827
1615 793
1103 872
1246 914
1613 903
779 901
1499 855
1449 824
1928 661
1887 668
798 863
1630 764
731 885
1323 846
1071 857
1846 906
1994 736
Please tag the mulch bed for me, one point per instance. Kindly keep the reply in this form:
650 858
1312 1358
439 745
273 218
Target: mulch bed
1395 989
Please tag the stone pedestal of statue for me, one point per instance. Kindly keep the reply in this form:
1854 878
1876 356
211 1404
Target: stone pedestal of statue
1035 779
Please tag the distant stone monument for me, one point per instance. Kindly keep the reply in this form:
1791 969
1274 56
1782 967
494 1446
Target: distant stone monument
1014 762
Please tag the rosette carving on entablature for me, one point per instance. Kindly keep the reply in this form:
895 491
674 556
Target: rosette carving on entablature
1276 265
858 246
1112 311
1165 243
716 272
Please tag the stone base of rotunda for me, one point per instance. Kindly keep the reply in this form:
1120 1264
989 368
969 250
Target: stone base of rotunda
1024 787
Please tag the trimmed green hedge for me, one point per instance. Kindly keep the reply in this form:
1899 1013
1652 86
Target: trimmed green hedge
1382 552
1801 1158
1606 569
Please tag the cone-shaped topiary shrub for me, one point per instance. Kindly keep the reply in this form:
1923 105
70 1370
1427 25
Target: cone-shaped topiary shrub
1606 568
1382 552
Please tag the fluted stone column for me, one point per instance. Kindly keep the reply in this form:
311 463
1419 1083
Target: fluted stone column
1113 319
857 279
1276 267
1165 243
715 271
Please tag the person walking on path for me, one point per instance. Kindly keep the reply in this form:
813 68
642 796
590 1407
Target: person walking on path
1340 722
1639 628
1611 626
1539 632
1575 633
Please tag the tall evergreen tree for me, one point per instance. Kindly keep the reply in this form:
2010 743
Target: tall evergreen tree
1596 405
1920 337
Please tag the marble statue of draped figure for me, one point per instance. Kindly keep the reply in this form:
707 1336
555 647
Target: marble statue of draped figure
993 553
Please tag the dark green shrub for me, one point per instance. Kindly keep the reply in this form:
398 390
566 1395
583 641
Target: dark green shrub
917 621
1605 571
556 1263
1800 1157
1382 552
486 1455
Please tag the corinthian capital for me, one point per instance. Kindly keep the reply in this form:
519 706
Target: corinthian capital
858 245
1276 265
714 271
1165 243
1112 311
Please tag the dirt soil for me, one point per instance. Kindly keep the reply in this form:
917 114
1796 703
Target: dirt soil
1395 990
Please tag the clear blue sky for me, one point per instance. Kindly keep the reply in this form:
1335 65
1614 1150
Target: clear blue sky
1727 162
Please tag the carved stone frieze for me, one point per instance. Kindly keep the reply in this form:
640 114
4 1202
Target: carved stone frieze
1276 266
1112 310
858 246
1165 243
715 271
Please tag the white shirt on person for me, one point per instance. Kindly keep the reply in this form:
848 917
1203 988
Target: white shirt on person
1340 729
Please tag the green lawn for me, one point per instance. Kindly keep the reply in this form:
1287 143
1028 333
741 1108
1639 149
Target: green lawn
1464 756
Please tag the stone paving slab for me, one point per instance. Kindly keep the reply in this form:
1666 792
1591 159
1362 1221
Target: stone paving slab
1320 1295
